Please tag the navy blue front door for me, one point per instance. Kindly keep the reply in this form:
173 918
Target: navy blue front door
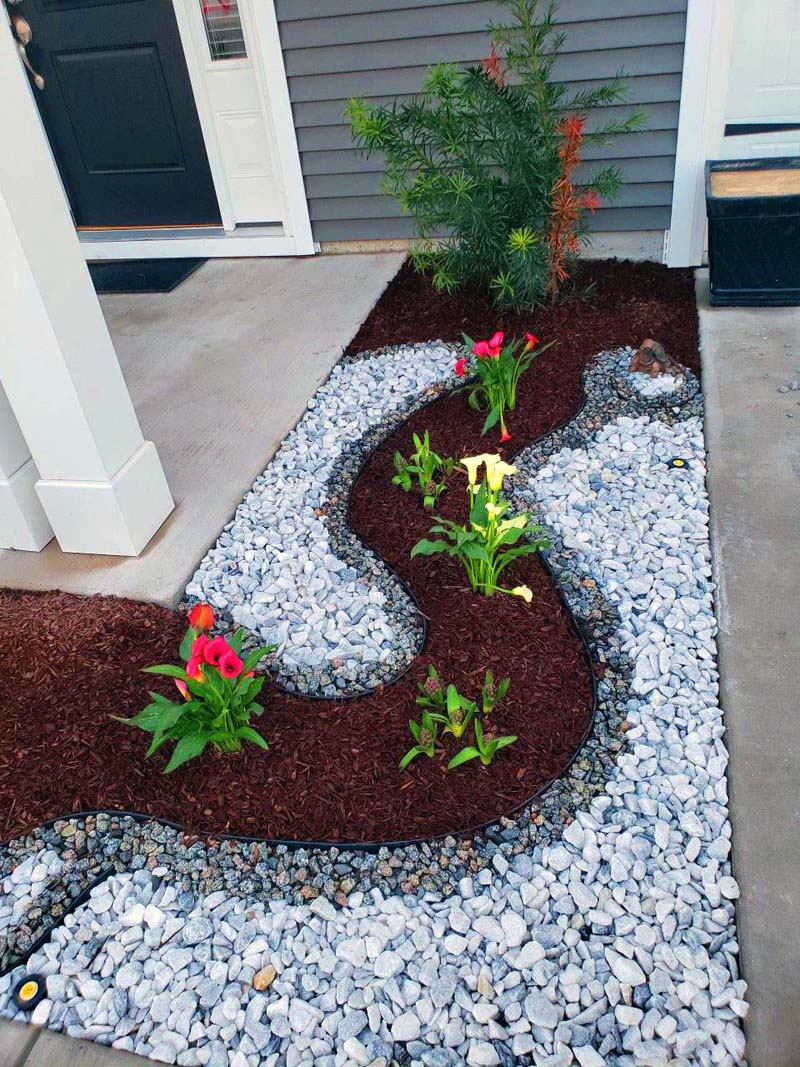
119 111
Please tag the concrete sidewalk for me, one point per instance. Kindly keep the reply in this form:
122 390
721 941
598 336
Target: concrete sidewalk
219 370
28 1046
754 481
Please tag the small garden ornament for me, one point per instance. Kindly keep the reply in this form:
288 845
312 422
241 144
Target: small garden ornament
650 358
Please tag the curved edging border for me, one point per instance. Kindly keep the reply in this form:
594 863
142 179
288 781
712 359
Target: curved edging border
366 846
374 846
21 958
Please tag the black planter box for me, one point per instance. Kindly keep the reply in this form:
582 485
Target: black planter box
753 240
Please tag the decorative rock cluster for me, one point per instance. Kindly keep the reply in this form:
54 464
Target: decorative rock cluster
674 383
606 940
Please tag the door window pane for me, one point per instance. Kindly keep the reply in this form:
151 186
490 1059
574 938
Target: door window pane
223 25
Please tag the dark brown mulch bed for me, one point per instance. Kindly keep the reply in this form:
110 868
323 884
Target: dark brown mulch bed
68 664
611 303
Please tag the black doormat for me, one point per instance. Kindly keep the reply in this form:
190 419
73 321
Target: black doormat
141 275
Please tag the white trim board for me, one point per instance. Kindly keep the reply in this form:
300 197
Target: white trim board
701 123
274 88
225 246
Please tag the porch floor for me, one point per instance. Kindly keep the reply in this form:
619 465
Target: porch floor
219 370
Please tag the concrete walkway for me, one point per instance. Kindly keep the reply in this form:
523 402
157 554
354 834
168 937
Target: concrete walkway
27 1046
754 481
219 370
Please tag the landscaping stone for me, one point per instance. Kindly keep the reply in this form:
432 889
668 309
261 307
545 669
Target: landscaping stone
603 935
341 619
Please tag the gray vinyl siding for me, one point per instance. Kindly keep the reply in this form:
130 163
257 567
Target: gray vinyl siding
381 49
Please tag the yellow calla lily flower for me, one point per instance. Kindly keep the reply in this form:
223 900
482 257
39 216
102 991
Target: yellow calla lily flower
517 523
524 592
472 463
492 510
495 476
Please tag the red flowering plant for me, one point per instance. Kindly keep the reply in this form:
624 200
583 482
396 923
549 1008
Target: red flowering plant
499 365
218 688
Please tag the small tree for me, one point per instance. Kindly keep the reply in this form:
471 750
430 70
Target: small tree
484 162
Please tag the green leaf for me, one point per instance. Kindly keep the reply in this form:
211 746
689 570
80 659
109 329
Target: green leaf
473 550
429 548
504 742
249 734
491 420
235 641
199 689
169 669
252 659
249 691
153 717
156 743
463 756
189 638
409 756
187 748
159 698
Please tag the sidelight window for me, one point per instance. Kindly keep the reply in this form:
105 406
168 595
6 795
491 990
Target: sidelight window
223 26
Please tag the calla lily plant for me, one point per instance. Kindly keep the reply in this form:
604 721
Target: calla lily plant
218 690
492 539
499 365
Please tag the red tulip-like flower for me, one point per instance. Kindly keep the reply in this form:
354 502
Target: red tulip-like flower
215 650
461 367
194 669
531 341
182 688
481 349
201 617
496 340
505 436
230 665
198 645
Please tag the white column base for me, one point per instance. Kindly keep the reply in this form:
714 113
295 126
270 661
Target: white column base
23 523
115 518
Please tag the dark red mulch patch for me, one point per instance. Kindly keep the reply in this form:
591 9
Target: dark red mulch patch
611 303
68 663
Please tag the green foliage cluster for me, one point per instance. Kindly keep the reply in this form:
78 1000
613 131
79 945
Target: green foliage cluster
476 157
215 708
426 467
446 708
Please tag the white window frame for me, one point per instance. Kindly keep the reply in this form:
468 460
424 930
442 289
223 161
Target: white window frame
701 123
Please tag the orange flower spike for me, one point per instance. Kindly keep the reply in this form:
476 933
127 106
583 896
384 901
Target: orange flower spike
492 67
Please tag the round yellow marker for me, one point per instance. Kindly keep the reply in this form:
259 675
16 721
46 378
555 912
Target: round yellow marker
678 462
29 991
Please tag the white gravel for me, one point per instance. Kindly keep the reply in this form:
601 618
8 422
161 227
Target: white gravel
272 569
615 946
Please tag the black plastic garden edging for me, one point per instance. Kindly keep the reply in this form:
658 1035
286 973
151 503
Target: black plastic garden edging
374 846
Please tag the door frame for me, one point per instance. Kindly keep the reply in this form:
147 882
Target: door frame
701 123
292 236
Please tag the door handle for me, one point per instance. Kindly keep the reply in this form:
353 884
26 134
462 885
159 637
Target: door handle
24 36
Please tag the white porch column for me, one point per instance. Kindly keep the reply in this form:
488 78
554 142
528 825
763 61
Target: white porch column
100 483
23 523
